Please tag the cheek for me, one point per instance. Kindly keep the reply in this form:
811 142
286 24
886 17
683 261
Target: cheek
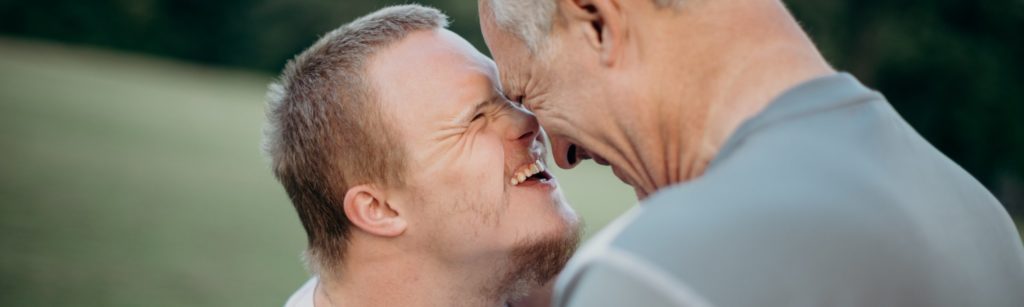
559 103
484 167
474 182
574 109
558 120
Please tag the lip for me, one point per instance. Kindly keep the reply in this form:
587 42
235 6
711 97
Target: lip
578 153
544 184
534 156
587 154
620 175
529 170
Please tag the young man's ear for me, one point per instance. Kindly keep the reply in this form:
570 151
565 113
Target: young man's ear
603 24
367 208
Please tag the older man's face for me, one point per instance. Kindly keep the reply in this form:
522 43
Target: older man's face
561 88
476 168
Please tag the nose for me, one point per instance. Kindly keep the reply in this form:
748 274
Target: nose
566 155
521 126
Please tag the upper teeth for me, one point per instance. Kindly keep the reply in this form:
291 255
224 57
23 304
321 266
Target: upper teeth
526 171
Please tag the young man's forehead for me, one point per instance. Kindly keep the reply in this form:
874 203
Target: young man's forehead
433 75
438 54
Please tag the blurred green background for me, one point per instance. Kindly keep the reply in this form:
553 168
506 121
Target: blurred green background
130 169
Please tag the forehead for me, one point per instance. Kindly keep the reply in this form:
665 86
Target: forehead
430 75
511 53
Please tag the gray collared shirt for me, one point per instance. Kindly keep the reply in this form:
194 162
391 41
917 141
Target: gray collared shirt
826 198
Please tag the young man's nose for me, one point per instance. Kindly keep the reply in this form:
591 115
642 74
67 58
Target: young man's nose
521 126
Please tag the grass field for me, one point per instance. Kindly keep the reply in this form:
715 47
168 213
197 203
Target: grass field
130 181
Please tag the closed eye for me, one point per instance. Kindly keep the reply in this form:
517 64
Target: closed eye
477 116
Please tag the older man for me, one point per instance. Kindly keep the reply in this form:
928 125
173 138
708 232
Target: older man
417 182
767 178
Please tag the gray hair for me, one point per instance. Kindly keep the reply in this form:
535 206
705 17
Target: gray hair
531 20
326 131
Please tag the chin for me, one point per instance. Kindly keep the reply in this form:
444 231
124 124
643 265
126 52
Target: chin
535 261
543 215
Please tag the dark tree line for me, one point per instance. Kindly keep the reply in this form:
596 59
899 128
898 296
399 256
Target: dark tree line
953 68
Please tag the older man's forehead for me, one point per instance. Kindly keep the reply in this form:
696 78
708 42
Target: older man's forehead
511 56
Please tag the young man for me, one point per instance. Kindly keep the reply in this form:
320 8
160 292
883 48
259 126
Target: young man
417 182
767 178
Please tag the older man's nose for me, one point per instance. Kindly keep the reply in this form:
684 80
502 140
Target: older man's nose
566 154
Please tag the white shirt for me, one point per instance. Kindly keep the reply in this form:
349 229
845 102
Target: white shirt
304 296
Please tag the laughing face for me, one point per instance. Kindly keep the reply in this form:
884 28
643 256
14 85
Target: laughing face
477 174
572 94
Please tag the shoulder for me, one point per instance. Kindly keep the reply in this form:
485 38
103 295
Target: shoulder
304 296
702 245
746 218
601 274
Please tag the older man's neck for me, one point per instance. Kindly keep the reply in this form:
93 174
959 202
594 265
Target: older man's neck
755 54
406 281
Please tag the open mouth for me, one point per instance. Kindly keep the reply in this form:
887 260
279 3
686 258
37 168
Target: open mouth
570 155
535 171
575 154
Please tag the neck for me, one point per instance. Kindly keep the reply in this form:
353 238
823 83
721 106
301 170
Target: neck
396 279
751 52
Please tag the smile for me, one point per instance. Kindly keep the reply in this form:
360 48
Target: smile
533 171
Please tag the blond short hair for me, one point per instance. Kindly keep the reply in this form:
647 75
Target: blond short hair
326 130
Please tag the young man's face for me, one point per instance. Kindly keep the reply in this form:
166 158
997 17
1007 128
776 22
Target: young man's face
468 150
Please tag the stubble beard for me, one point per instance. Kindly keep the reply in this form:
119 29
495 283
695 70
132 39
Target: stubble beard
534 262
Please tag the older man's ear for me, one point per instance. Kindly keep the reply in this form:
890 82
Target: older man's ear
367 208
602 23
